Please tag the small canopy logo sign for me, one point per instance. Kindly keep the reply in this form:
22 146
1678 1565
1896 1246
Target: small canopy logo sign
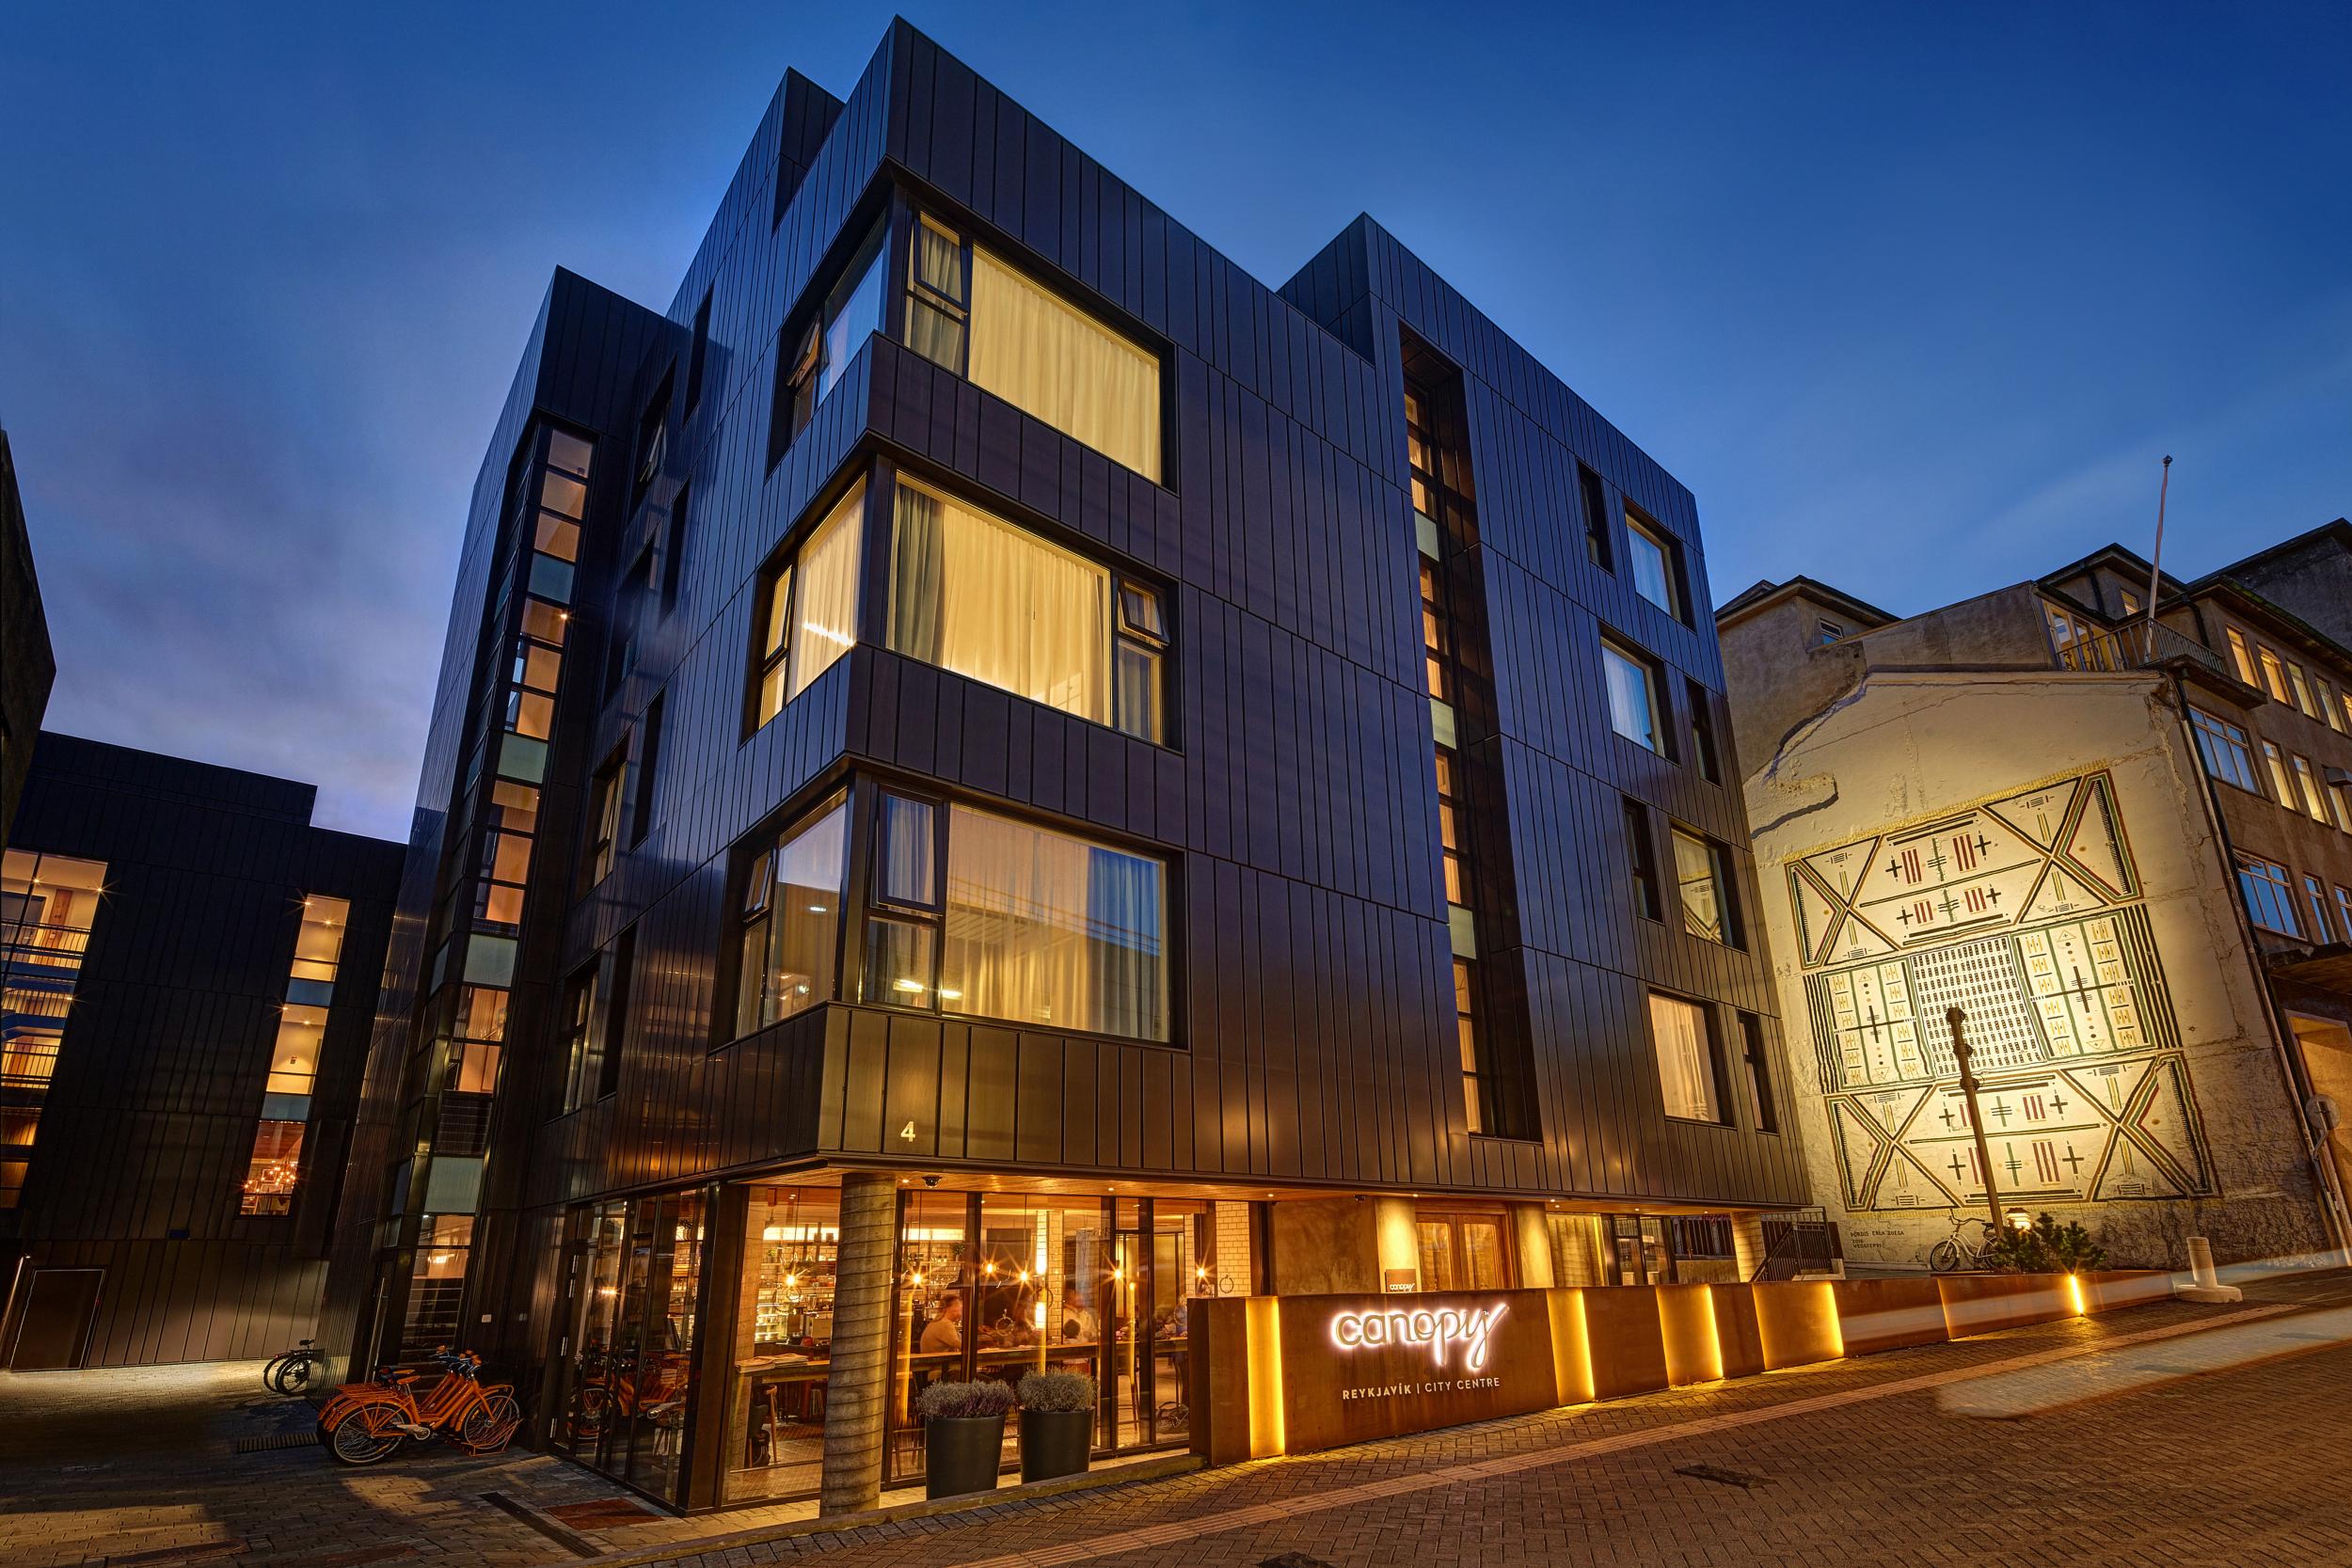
1440 1328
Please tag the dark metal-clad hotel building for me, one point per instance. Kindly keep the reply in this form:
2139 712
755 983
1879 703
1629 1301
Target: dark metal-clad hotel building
993 775
188 974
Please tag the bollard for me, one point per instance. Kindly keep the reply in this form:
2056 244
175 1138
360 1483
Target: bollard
2204 1284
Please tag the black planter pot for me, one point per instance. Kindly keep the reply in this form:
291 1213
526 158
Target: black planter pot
1056 1443
960 1454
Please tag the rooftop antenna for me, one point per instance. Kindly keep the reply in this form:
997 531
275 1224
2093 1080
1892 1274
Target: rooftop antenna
2156 567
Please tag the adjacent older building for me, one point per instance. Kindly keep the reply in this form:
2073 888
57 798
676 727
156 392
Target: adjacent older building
995 775
2119 843
187 979
27 667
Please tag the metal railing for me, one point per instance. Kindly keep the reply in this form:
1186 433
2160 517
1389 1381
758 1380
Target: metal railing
1806 1241
2140 645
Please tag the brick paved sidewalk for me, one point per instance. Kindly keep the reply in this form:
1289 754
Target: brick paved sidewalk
1864 1461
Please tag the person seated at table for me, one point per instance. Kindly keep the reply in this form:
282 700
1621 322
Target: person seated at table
944 1334
1077 1320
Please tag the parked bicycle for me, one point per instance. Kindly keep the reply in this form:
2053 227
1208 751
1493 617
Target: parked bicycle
289 1374
1956 1252
367 1423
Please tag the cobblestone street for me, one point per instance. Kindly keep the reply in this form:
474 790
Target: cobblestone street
2172 1434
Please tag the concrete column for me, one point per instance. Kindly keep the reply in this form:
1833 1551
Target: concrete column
1747 1242
1531 1233
859 1386
1395 1243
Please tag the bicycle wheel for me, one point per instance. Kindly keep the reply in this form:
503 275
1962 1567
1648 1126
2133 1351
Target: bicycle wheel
352 1443
292 1376
1943 1256
490 1425
269 1373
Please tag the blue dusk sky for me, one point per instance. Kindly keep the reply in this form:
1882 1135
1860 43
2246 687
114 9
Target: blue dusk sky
1912 298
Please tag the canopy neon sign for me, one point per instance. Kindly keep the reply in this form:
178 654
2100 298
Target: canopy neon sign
1440 1328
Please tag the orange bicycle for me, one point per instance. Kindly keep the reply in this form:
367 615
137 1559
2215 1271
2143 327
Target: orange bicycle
367 1423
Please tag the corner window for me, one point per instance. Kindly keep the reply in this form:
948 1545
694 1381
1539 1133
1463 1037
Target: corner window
1028 925
808 609
790 933
1764 1114
1687 1069
812 360
1654 563
973 594
1633 697
1642 855
970 312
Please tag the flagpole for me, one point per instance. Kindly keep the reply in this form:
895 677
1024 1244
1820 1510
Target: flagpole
2156 567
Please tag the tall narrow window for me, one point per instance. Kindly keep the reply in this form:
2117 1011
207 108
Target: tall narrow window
698 354
47 905
2280 778
791 920
2315 898
2274 674
2242 657
1765 1115
580 1036
605 824
673 550
1710 755
1633 697
653 441
648 774
276 1164
1476 1092
1642 855
1435 657
1595 499
1654 563
1689 1072
808 608
2344 911
2269 900
972 313
2307 785
973 594
2301 690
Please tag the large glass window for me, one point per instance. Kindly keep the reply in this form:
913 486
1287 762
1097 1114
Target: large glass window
47 903
970 593
276 1164
2224 748
978 316
1035 927
1688 1072
808 608
791 920
1632 698
784 1343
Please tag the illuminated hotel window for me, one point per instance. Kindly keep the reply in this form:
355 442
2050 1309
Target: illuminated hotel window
47 903
2274 674
973 594
1706 889
2279 775
1689 1071
2242 657
276 1164
2307 784
791 920
808 609
972 313
1028 925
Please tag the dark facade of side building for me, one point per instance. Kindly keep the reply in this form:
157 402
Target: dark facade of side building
27 665
993 775
188 973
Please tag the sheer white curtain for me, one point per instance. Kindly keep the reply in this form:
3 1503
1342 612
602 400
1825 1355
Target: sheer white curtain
1046 929
1062 366
1686 1064
826 625
985 599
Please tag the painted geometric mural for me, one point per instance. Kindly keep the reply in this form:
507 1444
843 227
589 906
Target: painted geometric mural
2026 914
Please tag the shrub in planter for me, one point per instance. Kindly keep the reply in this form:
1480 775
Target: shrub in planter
1056 1424
964 1435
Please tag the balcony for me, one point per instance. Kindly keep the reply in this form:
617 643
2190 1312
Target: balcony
2141 645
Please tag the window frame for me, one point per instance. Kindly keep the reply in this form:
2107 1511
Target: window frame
1710 1041
779 617
601 845
1705 740
2213 734
754 859
1640 526
1755 1051
1612 645
2254 870
1599 549
1719 879
1642 853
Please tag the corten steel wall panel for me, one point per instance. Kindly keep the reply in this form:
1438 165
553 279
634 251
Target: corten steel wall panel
1295 805
147 1130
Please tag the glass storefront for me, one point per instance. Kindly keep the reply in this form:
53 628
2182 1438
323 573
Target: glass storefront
633 1280
782 1343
